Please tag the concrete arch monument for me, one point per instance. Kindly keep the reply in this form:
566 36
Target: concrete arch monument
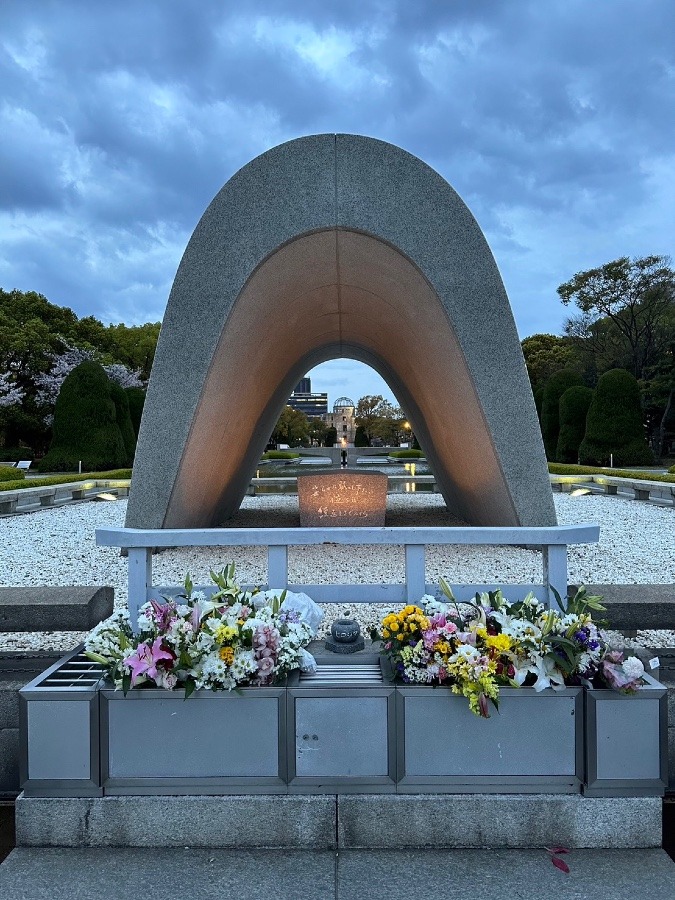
337 246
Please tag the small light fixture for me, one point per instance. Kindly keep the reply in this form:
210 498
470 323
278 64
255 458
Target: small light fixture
105 497
579 492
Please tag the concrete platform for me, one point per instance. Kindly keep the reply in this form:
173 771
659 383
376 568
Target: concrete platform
329 822
174 874
54 608
634 606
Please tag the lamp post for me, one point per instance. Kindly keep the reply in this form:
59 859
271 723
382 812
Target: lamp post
409 434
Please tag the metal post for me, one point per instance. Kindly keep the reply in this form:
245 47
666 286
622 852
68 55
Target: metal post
140 579
277 566
415 581
555 571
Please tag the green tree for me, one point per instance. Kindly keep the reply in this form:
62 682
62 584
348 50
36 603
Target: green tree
550 412
546 354
85 424
331 437
573 408
121 401
378 418
624 309
614 423
317 430
292 427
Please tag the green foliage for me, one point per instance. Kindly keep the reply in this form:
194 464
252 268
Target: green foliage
560 469
546 354
116 475
9 473
406 454
331 437
121 401
630 300
614 423
671 470
280 454
550 408
360 437
15 454
136 398
378 418
573 408
85 424
538 395
292 427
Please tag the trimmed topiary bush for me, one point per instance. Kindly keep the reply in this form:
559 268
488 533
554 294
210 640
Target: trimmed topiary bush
550 408
573 408
671 470
614 424
85 424
136 398
360 437
121 401
9 473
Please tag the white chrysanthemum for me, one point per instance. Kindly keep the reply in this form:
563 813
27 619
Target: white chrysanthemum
633 668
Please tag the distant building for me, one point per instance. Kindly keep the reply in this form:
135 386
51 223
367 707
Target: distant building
343 420
314 406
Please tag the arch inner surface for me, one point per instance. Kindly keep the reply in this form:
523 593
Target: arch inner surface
328 294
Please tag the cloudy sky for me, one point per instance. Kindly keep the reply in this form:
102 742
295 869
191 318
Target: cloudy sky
553 119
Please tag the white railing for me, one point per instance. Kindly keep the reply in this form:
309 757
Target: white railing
552 541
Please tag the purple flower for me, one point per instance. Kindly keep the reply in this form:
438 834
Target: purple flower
164 614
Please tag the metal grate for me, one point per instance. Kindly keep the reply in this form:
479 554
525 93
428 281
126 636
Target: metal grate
76 672
343 674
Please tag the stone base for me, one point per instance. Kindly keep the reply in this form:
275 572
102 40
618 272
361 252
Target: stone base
352 647
370 822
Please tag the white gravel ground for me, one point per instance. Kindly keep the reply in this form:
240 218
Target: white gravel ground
57 546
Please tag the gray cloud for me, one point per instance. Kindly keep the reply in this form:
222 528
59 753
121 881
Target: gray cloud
120 121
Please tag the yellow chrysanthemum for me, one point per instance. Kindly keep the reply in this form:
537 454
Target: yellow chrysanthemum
501 642
227 655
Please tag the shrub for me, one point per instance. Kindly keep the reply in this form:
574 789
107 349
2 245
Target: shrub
614 423
560 469
550 408
15 454
85 424
118 474
280 454
361 438
406 454
331 437
121 401
9 473
136 398
671 470
573 409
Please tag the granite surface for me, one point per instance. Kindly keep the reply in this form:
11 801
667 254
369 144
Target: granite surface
173 874
324 247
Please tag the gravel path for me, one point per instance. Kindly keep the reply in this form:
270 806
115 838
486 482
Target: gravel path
57 546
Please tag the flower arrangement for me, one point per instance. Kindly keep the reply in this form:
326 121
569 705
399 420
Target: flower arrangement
234 637
476 648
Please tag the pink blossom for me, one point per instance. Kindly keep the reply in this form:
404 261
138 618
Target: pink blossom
144 661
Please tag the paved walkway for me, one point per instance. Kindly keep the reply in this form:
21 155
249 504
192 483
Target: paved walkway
120 874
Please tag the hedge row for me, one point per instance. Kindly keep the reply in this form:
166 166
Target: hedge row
562 469
64 479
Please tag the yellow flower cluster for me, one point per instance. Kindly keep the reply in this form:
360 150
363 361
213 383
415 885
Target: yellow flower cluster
227 655
500 642
225 633
408 622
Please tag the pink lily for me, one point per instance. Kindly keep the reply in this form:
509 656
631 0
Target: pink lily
144 660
